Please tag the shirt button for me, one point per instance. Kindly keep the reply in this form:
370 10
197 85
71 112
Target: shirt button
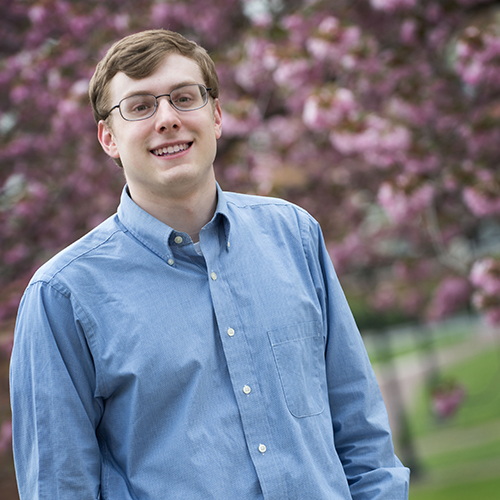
213 275
230 332
178 239
247 389
170 262
262 448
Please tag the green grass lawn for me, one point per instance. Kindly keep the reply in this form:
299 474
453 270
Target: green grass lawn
460 457
417 339
480 376
485 451
483 489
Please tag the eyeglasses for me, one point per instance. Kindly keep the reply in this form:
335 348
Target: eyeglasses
142 106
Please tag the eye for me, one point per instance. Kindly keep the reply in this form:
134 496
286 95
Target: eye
187 97
184 98
138 105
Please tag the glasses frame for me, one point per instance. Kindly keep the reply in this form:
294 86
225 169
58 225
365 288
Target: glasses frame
156 97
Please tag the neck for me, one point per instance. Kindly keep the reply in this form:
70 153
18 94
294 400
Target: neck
186 212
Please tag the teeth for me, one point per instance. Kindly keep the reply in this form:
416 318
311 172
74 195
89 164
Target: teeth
170 149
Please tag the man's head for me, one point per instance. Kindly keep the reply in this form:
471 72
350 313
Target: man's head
138 56
150 119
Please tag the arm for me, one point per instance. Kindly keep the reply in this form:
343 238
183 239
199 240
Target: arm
361 428
54 411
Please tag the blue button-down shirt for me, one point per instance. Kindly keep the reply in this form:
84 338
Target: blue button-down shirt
142 370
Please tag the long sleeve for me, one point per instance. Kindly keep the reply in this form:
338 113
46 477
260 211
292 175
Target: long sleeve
361 429
141 368
54 411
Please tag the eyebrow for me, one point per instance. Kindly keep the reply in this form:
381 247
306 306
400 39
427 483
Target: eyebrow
173 87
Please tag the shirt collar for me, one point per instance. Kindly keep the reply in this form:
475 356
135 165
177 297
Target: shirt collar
156 235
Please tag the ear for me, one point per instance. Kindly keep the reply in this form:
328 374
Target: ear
217 119
107 139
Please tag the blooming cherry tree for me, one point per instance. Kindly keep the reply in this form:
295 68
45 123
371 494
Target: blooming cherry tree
380 117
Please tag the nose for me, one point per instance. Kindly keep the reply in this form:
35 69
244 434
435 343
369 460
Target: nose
166 116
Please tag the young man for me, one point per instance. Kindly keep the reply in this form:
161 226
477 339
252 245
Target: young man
196 345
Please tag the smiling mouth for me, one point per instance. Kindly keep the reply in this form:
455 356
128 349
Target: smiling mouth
171 150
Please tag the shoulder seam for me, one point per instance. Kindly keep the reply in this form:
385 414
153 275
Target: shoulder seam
275 202
52 276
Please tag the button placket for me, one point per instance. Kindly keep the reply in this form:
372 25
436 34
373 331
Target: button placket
242 374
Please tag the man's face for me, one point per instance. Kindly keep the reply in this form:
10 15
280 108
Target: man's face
152 173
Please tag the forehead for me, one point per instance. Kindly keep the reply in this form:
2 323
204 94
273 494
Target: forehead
173 71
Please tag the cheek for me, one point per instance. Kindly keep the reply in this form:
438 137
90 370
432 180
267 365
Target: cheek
129 140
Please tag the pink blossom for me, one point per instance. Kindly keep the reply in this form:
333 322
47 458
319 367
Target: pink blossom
121 21
37 14
329 26
298 28
477 58
332 99
485 275
351 37
404 271
472 72
385 297
446 400
262 19
348 62
79 25
80 88
253 71
452 294
162 12
5 436
240 118
492 315
292 73
417 114
16 254
331 43
401 206
408 31
327 109
351 249
263 169
6 344
463 49
284 131
19 94
321 49
434 12
381 143
479 203
425 165
208 21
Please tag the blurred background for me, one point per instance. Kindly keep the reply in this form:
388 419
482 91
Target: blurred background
379 117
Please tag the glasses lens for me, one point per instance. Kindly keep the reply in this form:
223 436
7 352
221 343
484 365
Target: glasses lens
189 97
138 107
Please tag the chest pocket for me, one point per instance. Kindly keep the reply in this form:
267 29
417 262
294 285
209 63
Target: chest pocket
299 354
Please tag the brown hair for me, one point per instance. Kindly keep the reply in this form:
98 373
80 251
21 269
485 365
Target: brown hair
138 56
